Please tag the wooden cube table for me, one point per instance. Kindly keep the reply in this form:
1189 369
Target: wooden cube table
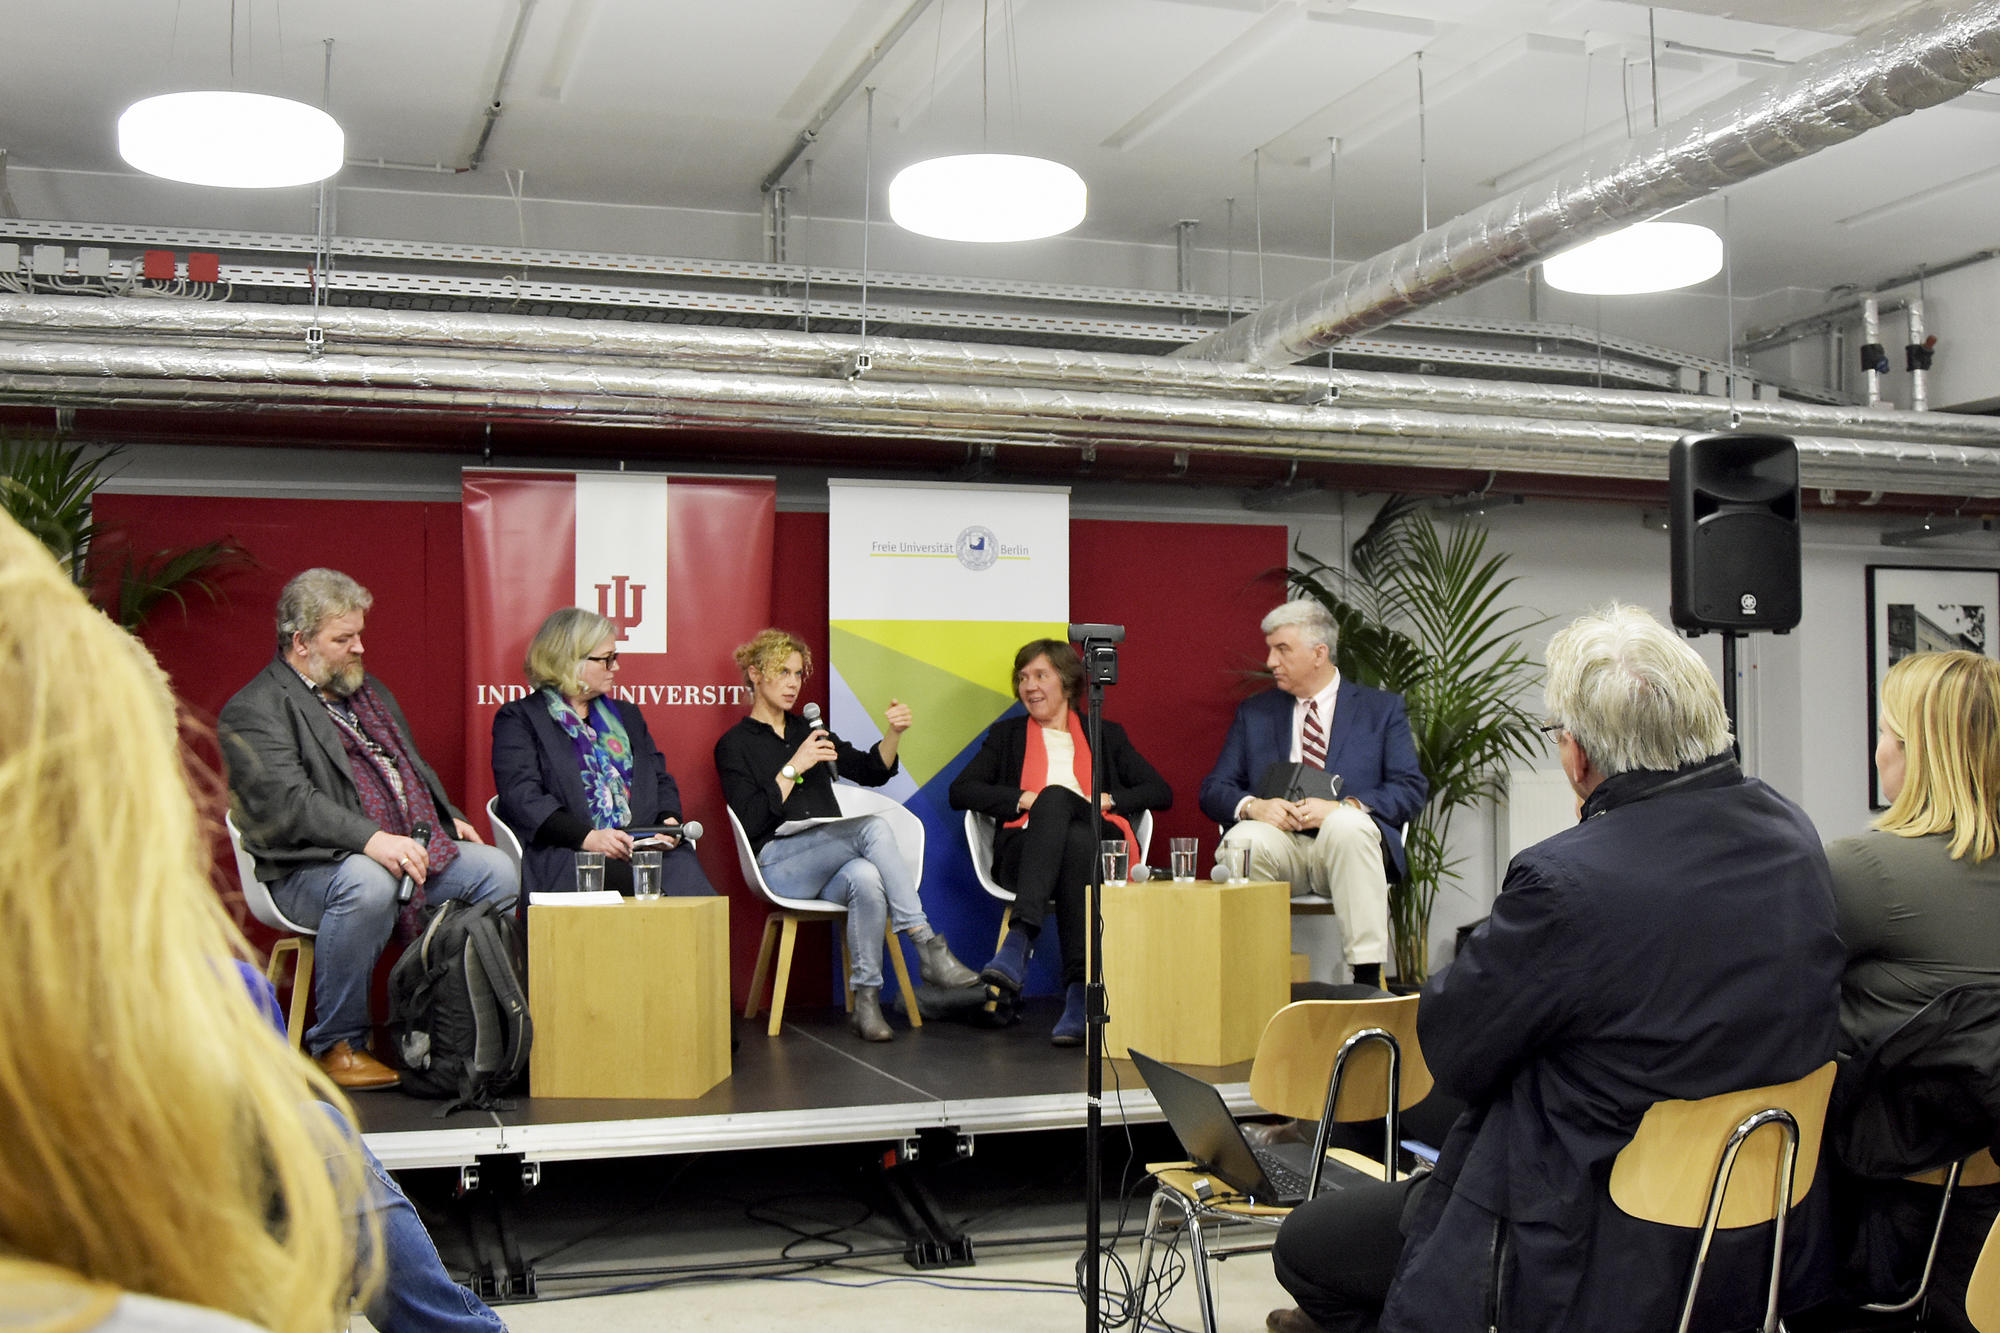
1193 971
629 999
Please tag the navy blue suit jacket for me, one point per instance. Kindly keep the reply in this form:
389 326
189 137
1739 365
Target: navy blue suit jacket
1369 747
536 774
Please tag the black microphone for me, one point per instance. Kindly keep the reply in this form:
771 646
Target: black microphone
408 888
811 714
688 831
1141 874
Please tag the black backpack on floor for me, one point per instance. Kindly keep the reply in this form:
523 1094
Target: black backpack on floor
457 1008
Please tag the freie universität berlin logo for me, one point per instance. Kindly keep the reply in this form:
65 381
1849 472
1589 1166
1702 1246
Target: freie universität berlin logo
977 548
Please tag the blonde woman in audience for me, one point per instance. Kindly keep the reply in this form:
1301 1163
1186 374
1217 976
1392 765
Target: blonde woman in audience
1919 895
162 1164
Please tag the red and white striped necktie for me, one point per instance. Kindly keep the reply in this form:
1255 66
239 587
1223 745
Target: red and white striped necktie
1312 744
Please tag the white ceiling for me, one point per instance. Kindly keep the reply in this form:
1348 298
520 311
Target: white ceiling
1163 105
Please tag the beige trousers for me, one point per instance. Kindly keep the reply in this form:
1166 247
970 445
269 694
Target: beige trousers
1344 863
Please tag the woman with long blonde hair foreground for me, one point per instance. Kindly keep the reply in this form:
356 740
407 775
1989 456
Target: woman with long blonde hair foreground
159 1142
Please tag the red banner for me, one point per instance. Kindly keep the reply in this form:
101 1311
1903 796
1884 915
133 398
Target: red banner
681 564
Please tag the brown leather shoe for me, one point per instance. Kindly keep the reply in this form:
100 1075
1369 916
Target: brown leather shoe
357 1071
1290 1321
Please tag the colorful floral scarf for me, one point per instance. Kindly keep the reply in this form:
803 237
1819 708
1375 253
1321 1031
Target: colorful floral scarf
604 756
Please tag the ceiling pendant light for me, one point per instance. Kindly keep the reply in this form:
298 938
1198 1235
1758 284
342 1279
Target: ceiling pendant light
1649 257
241 140
987 197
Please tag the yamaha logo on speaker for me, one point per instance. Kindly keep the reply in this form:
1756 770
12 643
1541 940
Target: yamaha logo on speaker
1748 601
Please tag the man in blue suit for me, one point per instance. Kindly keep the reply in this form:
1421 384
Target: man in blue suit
1345 849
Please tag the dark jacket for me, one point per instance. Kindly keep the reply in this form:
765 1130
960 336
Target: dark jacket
290 785
991 782
1369 746
541 787
1678 943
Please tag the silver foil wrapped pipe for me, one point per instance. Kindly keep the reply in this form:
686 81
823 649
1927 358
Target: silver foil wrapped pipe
116 374
1926 54
281 329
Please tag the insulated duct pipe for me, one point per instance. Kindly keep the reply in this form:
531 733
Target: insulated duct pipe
1920 386
1930 53
1871 343
145 322
96 374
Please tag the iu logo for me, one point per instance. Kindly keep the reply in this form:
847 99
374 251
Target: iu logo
611 604
1748 603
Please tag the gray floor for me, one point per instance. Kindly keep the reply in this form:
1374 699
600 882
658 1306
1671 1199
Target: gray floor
798 1237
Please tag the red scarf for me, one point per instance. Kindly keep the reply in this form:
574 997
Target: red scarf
1035 772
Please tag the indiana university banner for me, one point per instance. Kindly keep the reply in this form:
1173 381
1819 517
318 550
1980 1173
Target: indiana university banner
930 591
682 565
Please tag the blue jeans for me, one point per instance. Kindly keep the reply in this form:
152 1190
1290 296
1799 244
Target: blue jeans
351 903
857 864
417 1295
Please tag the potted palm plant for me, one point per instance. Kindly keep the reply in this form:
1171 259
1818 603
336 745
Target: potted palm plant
1422 611
46 485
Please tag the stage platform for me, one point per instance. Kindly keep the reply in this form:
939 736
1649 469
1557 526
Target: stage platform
815 1083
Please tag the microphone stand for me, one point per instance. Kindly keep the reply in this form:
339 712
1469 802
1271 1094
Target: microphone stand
1100 663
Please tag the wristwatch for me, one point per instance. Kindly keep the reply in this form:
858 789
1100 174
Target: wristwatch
789 773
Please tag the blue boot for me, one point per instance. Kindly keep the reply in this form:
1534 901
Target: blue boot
1009 968
1069 1028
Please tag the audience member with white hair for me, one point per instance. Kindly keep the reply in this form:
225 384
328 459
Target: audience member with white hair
1679 942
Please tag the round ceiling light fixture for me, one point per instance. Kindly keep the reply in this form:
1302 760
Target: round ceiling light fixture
1649 257
241 140
987 197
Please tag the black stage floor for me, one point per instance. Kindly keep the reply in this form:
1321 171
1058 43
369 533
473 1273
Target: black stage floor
814 1083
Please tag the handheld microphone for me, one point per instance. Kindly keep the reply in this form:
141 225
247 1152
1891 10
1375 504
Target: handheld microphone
408 888
1141 874
811 714
689 831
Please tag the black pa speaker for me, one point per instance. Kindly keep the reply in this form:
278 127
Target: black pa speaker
1735 532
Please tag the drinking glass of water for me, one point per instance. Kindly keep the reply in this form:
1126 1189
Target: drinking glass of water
646 872
589 872
1117 861
1184 851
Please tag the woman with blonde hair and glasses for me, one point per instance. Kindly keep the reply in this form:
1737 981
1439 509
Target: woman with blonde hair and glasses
1919 895
576 769
164 1164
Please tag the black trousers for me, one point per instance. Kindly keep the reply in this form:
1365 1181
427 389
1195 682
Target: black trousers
1337 1254
1049 861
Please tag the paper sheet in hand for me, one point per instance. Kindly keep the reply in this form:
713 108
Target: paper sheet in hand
791 826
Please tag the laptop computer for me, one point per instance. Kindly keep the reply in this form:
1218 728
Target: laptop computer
1277 1174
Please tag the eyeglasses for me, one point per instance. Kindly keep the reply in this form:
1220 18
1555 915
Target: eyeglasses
1553 730
608 660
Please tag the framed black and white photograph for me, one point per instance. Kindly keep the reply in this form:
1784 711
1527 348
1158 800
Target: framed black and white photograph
1914 609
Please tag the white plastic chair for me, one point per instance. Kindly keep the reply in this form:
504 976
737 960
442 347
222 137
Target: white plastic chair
781 926
980 831
503 835
297 941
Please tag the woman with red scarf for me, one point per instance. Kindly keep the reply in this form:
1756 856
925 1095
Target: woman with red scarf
1033 777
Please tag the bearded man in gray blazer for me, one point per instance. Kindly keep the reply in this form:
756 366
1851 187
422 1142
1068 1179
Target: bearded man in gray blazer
327 788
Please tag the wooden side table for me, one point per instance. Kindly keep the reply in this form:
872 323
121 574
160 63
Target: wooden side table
1193 971
629 999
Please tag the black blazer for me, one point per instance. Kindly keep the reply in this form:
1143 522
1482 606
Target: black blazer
541 787
991 783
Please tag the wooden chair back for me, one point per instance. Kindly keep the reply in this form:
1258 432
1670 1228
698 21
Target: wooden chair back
1295 1058
1664 1174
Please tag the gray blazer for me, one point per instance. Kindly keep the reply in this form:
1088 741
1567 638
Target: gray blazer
290 785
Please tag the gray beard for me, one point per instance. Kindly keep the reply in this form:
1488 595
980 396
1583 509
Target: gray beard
340 684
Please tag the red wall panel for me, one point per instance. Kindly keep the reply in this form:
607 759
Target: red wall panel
1189 595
